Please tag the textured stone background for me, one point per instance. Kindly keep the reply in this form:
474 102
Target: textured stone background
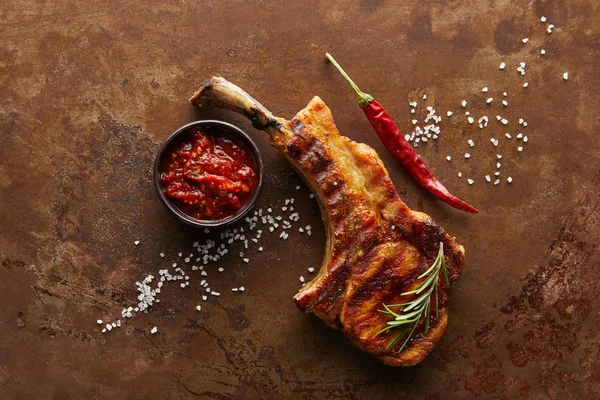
89 89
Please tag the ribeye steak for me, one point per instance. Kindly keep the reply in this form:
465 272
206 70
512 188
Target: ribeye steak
376 246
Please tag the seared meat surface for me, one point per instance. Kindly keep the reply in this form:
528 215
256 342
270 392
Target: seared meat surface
376 246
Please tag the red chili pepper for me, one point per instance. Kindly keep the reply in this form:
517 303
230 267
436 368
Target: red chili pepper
394 141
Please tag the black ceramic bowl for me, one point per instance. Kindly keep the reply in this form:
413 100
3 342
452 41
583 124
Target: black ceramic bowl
227 129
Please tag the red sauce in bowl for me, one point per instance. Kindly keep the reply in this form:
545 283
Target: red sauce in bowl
208 174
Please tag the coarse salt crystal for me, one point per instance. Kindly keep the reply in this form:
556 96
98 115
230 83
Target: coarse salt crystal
499 156
448 158
460 174
504 103
449 113
508 136
498 165
467 155
504 121
488 178
509 179
471 120
424 97
497 173
543 19
470 181
464 103
471 142
520 148
525 40
100 322
502 65
153 330
489 100
485 89
136 242
566 76
519 135
497 181
414 121
504 94
241 288
525 139
199 307
542 51
311 270
526 84
301 279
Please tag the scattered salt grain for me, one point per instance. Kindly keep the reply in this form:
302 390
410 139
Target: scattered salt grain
136 242
509 179
489 100
199 307
241 288
504 121
502 65
566 76
488 178
471 142
460 174
471 120
153 330
311 270
497 181
470 181
542 51
467 155
525 40
543 19
505 103
520 148
485 89
508 136
464 103
526 84
448 158
100 322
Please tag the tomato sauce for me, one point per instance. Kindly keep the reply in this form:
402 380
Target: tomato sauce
209 175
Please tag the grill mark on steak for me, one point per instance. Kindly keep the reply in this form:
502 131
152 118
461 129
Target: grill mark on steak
376 246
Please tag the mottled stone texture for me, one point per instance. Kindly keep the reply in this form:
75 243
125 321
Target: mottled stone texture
89 89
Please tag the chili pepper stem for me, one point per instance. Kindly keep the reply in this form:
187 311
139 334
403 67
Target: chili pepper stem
363 98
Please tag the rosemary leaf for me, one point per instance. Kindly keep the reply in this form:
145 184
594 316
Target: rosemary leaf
410 313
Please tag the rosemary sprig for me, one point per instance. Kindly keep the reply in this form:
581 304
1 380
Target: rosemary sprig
420 306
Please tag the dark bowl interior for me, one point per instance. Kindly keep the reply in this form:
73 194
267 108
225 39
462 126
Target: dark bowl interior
232 130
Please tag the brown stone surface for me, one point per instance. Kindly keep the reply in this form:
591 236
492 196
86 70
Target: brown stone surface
89 89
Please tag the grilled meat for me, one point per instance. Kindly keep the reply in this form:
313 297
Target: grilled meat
376 246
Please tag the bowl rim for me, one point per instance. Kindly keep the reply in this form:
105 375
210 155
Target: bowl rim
204 223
